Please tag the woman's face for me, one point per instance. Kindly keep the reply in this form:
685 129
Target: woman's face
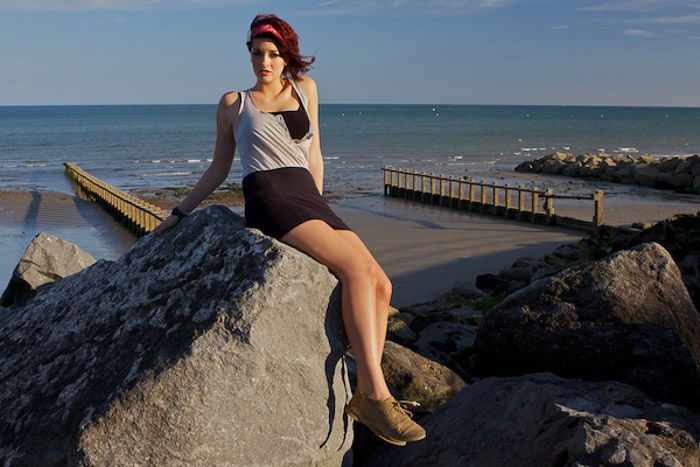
267 62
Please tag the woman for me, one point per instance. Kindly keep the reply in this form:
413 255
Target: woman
275 127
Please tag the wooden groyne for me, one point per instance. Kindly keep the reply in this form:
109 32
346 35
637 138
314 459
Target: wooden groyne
515 202
139 216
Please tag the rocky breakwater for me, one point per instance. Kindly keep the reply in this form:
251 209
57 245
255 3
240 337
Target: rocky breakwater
597 364
210 345
677 173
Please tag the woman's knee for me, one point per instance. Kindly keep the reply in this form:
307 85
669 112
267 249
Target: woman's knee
355 270
384 286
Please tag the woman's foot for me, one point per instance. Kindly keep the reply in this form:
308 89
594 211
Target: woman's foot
389 419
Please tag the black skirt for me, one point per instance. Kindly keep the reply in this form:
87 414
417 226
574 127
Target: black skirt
278 200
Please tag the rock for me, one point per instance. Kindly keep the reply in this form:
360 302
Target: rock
446 342
399 332
516 273
393 311
645 170
608 162
209 345
490 282
627 317
524 167
414 377
645 175
591 170
696 181
682 179
544 420
406 317
683 166
664 180
553 167
680 235
468 290
561 156
669 165
569 252
695 168
46 259
572 169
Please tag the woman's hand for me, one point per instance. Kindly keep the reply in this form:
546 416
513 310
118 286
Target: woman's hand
169 222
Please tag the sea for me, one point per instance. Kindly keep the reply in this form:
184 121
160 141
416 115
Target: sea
145 146
156 146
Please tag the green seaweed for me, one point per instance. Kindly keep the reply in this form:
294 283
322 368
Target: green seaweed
486 303
232 187
452 298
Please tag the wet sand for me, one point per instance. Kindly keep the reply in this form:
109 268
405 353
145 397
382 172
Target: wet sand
424 249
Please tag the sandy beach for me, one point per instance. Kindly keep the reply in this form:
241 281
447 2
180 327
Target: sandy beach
423 248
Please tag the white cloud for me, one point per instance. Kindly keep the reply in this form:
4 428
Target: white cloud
638 6
560 27
687 19
638 32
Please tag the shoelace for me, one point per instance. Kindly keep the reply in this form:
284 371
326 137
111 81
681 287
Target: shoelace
402 406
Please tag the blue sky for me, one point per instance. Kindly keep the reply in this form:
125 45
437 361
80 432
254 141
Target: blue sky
578 52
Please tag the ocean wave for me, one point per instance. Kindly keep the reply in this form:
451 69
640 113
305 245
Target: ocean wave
22 166
171 161
157 174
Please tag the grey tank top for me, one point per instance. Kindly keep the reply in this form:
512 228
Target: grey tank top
263 140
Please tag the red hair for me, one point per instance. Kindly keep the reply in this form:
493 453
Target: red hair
287 43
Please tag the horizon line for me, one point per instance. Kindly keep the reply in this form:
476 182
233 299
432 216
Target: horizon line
369 104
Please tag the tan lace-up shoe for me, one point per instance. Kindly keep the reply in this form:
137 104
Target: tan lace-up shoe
389 419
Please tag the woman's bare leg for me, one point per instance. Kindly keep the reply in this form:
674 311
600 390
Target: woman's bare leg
358 296
382 293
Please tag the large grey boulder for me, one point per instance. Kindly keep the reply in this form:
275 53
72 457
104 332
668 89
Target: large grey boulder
541 419
210 345
46 259
627 317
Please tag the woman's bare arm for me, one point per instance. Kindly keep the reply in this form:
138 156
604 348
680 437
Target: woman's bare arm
224 149
315 156
220 165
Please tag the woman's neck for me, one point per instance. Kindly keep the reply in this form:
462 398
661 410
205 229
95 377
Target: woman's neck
270 89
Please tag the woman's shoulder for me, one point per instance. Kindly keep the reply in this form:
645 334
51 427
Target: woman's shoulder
229 98
308 84
229 104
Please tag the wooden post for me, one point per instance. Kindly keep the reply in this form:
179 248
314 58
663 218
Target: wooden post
449 189
470 201
494 196
598 204
461 191
521 200
422 186
549 202
507 195
483 195
413 183
385 178
535 197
